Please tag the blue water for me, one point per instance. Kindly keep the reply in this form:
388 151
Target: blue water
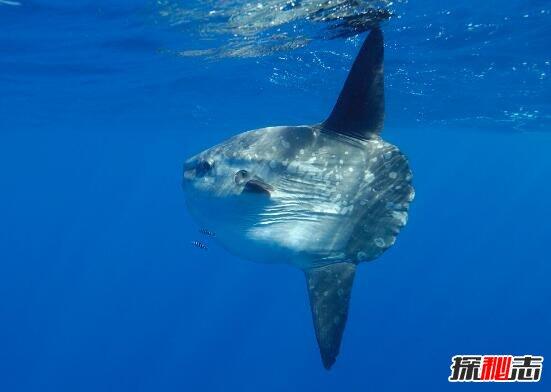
100 287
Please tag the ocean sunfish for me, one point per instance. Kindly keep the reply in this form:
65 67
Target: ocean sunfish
322 197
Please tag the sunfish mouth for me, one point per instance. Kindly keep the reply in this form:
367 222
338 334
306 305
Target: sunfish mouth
258 186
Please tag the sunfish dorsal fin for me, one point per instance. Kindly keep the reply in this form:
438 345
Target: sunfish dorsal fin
360 109
329 290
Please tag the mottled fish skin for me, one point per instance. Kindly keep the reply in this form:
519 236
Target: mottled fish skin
333 197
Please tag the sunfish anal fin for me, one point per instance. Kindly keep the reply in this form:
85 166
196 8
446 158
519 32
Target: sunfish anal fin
329 289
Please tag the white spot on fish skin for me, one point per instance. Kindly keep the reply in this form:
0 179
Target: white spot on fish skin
379 242
401 217
368 177
301 152
293 167
346 210
393 175
341 162
361 256
350 169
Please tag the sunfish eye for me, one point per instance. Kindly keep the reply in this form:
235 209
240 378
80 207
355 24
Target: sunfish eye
202 168
241 176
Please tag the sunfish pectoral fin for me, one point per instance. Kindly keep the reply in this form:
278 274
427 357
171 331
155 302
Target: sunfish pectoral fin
360 108
329 290
258 186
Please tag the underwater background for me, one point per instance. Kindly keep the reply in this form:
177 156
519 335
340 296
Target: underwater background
102 101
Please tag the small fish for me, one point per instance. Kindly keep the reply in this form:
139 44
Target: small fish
199 244
207 232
